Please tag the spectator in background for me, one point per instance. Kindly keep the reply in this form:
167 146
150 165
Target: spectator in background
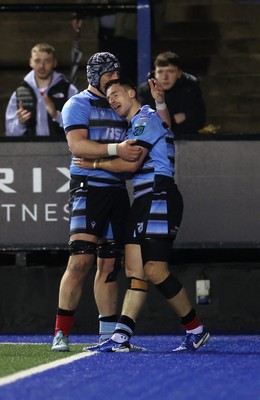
117 34
34 108
183 95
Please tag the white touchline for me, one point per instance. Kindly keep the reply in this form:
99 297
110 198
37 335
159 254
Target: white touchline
41 368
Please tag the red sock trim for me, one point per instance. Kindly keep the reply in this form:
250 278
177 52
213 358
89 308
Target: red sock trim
64 324
195 323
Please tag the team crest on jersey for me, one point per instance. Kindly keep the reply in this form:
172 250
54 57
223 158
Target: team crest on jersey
139 128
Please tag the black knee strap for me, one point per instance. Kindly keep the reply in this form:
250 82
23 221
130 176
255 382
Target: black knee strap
108 250
82 247
170 287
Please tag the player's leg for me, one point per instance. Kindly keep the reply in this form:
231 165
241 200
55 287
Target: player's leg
110 251
158 273
106 289
82 247
135 296
156 253
137 287
82 258
176 295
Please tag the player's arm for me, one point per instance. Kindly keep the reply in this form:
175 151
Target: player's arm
112 165
158 94
80 146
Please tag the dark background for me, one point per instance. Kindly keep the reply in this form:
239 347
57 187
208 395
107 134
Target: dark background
219 41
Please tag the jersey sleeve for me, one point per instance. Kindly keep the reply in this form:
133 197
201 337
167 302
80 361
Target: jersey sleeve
146 130
75 114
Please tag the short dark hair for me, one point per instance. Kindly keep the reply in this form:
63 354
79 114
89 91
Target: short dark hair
121 81
167 58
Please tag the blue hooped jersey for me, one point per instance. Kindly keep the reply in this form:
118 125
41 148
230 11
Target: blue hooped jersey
88 111
154 135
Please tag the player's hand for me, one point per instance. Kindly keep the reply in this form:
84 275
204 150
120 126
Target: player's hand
157 90
128 151
83 162
23 114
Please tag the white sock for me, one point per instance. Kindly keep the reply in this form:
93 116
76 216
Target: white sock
119 338
196 331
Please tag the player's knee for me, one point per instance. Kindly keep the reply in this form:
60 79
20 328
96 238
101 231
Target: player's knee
170 287
132 269
152 271
110 260
137 284
105 265
78 268
82 247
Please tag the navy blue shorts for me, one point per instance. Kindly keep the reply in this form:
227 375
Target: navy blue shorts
155 215
98 211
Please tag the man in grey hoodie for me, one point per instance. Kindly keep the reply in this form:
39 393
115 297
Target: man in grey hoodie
34 107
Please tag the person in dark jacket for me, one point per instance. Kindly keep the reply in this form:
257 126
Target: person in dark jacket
34 107
183 95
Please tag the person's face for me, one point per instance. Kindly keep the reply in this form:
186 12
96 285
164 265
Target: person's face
108 76
167 76
43 64
120 99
